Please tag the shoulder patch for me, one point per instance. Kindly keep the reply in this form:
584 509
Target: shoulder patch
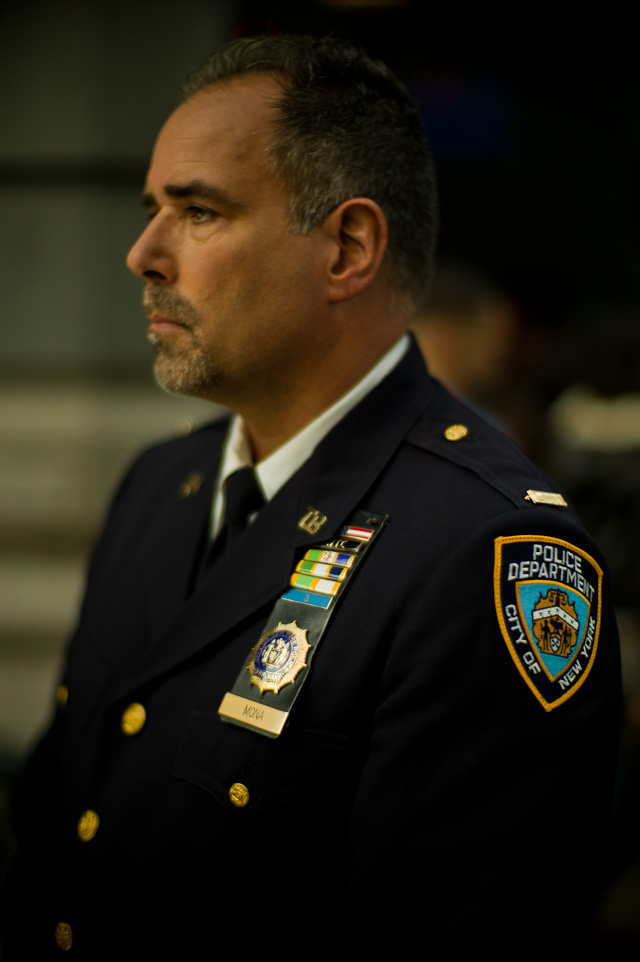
548 596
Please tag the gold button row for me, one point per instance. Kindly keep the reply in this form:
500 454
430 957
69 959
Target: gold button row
89 821
132 721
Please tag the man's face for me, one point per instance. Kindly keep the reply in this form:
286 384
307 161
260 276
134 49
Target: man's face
231 292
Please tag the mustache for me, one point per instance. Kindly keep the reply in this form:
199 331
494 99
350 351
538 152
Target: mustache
170 305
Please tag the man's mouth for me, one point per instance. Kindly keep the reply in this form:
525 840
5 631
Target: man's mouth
158 322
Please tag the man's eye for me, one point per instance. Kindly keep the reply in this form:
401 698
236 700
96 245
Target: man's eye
199 215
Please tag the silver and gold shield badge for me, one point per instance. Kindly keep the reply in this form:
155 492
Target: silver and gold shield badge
548 602
278 657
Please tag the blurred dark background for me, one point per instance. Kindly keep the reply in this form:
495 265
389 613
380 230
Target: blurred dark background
538 174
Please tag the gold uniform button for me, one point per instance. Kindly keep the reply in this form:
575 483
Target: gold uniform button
456 432
133 719
239 794
63 936
62 696
88 825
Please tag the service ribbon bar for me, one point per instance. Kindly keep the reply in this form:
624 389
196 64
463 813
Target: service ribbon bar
278 665
307 598
362 534
342 558
321 585
319 570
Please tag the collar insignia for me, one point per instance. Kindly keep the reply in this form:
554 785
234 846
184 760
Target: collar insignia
191 485
312 521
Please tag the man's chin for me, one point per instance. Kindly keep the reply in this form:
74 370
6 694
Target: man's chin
190 376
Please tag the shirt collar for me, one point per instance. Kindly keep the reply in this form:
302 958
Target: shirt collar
275 470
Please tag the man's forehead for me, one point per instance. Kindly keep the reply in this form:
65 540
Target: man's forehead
239 108
220 132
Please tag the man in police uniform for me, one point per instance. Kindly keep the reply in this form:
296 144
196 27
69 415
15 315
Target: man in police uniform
373 700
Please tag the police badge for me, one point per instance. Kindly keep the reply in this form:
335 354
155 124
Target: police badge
283 654
278 657
548 601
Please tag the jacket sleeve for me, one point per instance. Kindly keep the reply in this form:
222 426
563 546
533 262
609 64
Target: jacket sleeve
481 817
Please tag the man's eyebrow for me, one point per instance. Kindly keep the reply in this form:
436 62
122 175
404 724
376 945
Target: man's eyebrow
198 190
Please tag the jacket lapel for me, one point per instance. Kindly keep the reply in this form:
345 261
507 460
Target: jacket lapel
256 568
181 533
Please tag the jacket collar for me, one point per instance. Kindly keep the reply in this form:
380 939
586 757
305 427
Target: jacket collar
256 568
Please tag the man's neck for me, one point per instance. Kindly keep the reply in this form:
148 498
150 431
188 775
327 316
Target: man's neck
268 429
276 469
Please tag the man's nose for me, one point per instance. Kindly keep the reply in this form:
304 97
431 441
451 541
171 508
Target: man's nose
150 257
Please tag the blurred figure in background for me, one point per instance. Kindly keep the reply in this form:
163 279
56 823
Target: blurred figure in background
593 449
468 335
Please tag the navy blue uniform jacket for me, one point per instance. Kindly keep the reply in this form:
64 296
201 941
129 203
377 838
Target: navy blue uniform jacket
420 797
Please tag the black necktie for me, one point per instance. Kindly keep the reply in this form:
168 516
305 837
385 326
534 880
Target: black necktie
242 498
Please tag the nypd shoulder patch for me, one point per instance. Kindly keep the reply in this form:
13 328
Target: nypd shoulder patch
548 596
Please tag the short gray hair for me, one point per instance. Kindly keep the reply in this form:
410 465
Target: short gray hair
345 127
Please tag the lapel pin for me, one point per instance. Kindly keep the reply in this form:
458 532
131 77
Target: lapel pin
312 521
191 485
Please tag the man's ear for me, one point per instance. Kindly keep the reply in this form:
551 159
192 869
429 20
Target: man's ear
359 233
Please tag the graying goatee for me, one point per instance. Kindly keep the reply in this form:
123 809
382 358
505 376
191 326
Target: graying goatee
180 368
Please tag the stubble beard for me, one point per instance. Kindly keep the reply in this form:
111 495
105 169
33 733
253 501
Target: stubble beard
183 363
183 370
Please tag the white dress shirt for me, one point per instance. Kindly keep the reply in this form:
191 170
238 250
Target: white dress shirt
276 469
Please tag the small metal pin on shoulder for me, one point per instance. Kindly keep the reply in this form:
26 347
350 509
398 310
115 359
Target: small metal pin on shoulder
191 485
312 521
546 497
456 432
